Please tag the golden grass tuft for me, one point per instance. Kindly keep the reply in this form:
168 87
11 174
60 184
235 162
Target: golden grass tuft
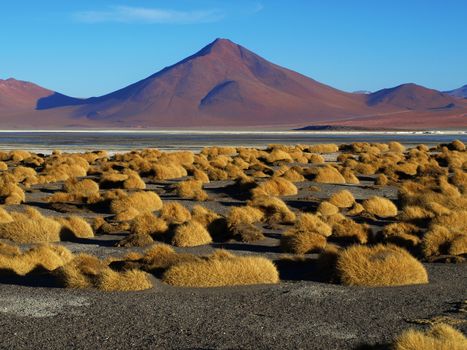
144 201
379 265
395 146
87 271
380 206
191 234
301 242
30 227
440 240
349 231
82 188
329 174
324 148
191 189
76 227
148 224
222 269
244 215
356 209
342 199
312 223
5 216
439 337
381 180
274 209
326 209
48 257
276 186
174 212
203 215
162 256
135 240
402 234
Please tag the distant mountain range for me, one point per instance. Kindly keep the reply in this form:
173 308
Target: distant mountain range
224 85
460 92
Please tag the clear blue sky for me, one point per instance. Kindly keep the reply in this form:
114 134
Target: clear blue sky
91 47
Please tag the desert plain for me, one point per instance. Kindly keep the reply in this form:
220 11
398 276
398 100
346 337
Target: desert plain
350 246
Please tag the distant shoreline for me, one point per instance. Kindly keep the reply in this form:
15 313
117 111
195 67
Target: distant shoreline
244 132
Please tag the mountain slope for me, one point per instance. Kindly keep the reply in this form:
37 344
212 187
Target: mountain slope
411 96
222 84
459 93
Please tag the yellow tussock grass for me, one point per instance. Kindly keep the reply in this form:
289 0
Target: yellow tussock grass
329 174
222 269
380 206
191 189
142 201
75 226
438 337
342 199
244 215
302 242
324 148
148 224
276 186
440 240
174 212
379 265
203 215
326 209
312 223
48 257
349 231
274 209
30 227
191 234
356 209
83 188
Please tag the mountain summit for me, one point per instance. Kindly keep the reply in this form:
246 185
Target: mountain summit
225 85
222 84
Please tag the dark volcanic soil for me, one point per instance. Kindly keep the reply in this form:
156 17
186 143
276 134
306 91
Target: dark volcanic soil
305 314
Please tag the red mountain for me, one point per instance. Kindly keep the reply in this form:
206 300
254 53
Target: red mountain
16 94
226 85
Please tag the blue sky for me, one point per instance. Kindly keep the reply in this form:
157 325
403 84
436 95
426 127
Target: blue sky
91 47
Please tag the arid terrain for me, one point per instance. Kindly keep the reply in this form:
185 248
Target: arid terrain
350 246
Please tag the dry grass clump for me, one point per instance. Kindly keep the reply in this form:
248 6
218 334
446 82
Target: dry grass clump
326 209
244 215
329 174
144 201
276 186
222 269
42 257
395 146
12 193
439 337
348 231
160 257
175 213
380 206
134 181
323 148
349 176
381 180
191 189
274 209
457 145
135 240
84 188
356 209
278 155
379 265
301 242
3 166
87 271
455 220
402 234
167 172
30 227
203 215
293 175
5 216
342 199
246 233
75 227
148 224
201 176
440 240
312 223
191 234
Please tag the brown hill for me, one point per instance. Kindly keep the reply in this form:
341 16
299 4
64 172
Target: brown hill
225 85
222 84
411 96
17 94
